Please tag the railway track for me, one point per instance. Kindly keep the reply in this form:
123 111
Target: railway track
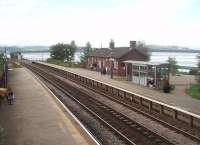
122 101
131 131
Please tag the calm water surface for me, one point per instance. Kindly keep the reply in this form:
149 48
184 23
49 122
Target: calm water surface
183 59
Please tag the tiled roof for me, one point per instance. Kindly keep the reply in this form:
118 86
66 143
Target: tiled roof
145 63
116 52
103 52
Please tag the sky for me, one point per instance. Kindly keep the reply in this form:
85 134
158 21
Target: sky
46 22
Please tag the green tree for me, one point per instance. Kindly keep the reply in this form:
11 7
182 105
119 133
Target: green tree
198 60
63 51
73 44
2 61
112 44
70 51
58 51
142 48
172 65
86 50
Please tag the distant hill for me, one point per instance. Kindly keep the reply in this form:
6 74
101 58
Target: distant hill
24 48
159 48
153 48
36 48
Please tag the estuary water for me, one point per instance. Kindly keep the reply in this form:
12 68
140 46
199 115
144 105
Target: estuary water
182 58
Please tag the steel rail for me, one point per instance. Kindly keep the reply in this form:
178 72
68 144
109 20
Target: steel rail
193 137
84 107
143 126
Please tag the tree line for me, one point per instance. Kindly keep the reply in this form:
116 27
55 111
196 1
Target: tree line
66 52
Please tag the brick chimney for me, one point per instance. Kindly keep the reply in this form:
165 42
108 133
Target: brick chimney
111 44
132 44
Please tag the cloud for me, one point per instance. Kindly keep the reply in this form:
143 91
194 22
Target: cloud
21 9
48 21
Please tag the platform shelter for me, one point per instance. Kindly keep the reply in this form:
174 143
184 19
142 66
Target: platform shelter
147 73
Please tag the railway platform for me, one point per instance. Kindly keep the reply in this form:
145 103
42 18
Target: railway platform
35 118
182 102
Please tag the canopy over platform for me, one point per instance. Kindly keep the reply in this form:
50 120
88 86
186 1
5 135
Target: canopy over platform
146 73
146 63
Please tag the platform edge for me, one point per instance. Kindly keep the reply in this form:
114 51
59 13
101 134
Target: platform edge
72 116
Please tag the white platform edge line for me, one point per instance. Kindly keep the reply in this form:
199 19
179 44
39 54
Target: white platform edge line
66 109
149 99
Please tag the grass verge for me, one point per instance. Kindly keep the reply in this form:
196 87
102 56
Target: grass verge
66 64
194 91
55 61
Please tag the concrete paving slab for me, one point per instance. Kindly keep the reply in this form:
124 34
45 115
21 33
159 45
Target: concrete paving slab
35 118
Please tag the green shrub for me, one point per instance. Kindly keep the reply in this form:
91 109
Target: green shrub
55 61
193 72
194 91
166 87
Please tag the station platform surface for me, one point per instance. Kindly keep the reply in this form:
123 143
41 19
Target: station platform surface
35 118
183 102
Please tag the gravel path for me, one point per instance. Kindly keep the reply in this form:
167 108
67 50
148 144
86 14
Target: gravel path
181 83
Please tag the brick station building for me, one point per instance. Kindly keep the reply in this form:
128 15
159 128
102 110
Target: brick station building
113 58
